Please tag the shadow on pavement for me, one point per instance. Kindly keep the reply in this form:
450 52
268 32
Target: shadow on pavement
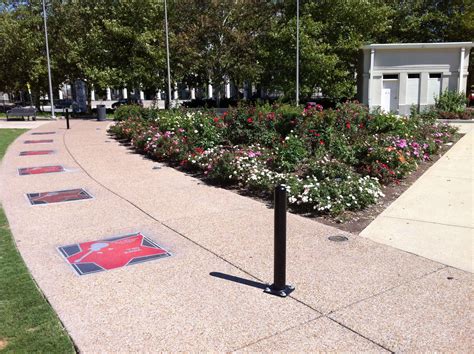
239 280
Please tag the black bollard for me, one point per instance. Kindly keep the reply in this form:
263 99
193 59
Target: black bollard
67 118
279 286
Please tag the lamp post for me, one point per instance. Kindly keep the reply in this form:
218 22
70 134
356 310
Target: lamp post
49 64
297 52
168 56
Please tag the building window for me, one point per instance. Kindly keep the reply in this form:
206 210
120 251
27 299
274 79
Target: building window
390 76
435 76
413 76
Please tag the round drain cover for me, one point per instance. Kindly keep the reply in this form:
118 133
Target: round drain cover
338 238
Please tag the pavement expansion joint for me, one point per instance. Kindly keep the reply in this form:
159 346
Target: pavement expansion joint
276 334
427 221
442 266
359 334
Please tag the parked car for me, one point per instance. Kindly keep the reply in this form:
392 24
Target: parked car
126 101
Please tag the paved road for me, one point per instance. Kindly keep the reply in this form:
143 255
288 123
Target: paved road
357 295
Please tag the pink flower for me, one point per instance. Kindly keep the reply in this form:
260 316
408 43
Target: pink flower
401 143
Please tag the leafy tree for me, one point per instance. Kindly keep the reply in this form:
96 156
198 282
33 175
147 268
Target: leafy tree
217 40
331 33
430 21
112 43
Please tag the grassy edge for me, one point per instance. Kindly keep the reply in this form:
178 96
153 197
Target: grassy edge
27 321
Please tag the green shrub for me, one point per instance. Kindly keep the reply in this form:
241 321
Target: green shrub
291 152
331 161
451 101
129 111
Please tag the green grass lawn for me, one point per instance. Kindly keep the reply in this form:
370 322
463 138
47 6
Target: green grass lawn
27 321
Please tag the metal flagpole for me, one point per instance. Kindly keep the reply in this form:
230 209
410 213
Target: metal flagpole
168 55
49 64
297 52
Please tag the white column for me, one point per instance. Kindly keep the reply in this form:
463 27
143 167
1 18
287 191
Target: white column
61 95
193 93
158 94
175 91
424 77
109 94
246 94
461 71
92 94
371 69
125 93
209 91
142 95
403 109
227 89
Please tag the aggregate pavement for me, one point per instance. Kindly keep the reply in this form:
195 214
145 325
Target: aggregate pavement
357 295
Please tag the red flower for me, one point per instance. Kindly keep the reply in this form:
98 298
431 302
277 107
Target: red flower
199 150
321 142
216 119
348 125
250 120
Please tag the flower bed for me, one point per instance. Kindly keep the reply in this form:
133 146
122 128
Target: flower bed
330 161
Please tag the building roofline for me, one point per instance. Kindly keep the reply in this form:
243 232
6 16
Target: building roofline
419 45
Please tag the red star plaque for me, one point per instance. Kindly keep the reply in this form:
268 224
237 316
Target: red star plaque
116 252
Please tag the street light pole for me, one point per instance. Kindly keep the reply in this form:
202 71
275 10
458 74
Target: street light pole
297 52
168 56
49 64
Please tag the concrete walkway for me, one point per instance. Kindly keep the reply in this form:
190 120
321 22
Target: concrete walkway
4 124
357 295
434 218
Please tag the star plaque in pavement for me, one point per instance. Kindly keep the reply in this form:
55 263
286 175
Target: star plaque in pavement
116 252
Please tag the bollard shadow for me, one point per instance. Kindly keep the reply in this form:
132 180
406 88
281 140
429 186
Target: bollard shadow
239 280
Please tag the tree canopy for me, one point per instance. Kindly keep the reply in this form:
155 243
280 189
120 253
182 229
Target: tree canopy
122 43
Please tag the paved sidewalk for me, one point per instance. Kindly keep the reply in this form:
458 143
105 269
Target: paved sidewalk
22 124
357 295
434 218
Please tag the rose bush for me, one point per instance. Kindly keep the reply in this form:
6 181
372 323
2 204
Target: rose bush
330 160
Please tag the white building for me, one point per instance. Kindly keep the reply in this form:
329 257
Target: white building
398 76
